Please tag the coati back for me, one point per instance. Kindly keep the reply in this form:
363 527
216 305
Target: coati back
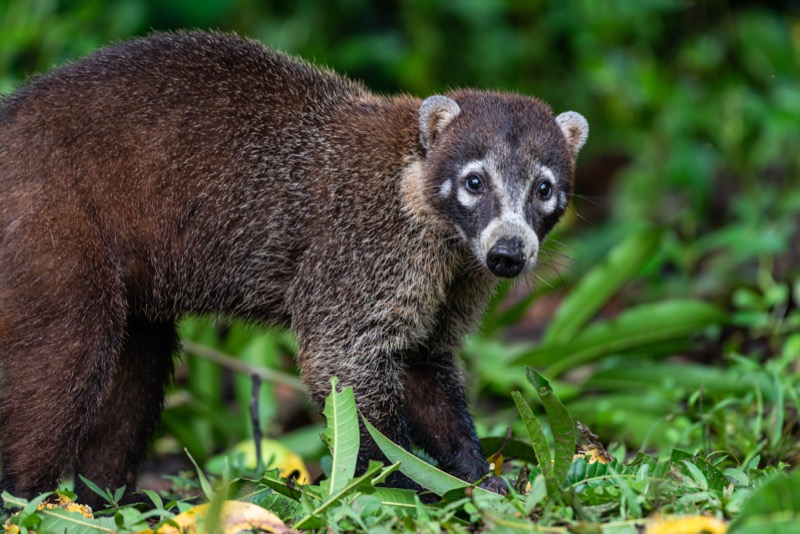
200 172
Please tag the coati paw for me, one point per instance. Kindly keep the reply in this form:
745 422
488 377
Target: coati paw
495 485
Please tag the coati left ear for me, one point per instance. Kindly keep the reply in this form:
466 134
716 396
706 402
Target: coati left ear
575 129
435 113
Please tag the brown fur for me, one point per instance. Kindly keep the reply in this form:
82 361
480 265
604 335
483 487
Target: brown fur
203 173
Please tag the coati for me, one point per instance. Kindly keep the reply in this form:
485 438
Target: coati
204 173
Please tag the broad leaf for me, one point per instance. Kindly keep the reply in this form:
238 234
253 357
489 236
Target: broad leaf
774 508
715 479
60 520
399 498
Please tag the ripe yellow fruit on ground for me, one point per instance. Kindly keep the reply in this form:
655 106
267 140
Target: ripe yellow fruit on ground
234 517
697 524
275 454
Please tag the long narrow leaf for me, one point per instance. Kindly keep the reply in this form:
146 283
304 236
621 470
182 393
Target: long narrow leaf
539 441
561 424
342 436
637 327
418 470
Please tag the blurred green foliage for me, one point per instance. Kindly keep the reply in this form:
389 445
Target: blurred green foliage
694 110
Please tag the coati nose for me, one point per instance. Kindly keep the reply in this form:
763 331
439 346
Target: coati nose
507 257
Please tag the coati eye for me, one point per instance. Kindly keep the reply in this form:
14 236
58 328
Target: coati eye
474 184
544 190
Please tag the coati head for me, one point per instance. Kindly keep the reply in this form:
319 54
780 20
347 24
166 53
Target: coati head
499 167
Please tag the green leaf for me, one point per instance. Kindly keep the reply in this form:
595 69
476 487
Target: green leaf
280 505
601 283
637 327
155 497
716 480
418 470
399 498
341 435
118 493
29 506
561 424
536 494
351 486
205 485
641 376
60 520
774 508
278 485
104 493
539 441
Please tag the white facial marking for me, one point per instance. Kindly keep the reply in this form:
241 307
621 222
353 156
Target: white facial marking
508 202
464 197
445 189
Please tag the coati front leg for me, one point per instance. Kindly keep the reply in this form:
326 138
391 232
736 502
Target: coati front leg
377 381
438 414
439 419
114 451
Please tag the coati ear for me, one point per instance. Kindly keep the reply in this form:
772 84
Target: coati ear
575 129
435 113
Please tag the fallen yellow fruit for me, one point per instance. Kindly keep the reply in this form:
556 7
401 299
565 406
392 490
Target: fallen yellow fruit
697 524
234 517
275 454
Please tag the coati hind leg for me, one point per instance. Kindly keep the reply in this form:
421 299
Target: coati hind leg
60 326
117 445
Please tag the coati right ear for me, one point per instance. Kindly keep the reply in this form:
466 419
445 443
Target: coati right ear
575 129
435 113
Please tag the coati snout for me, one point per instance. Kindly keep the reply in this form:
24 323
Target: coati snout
204 173
503 168
507 257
